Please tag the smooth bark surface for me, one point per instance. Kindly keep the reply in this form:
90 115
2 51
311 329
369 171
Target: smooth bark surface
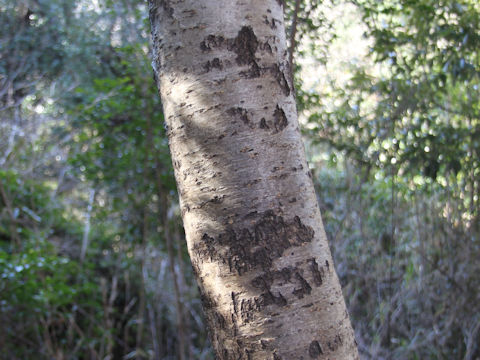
251 218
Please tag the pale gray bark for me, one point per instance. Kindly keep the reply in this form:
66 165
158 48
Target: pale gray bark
251 218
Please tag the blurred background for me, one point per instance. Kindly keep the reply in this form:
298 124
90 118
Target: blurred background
93 262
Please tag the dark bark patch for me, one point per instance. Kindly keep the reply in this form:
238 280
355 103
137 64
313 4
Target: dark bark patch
315 350
208 301
267 297
280 121
253 72
254 247
316 273
335 343
212 42
216 63
263 124
240 113
245 249
247 308
235 302
279 75
266 47
270 23
220 320
214 200
305 287
209 244
245 46
286 275
273 25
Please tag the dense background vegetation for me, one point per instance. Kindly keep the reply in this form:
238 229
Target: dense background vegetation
93 263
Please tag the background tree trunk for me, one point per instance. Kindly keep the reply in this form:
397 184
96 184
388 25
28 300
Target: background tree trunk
251 218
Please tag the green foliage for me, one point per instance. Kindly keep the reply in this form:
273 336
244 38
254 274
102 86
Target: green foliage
89 221
406 279
87 189
40 286
28 205
119 127
401 131
417 108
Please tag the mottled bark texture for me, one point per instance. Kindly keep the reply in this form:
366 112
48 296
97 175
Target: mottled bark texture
253 226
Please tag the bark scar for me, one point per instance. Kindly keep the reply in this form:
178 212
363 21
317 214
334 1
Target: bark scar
281 79
280 121
315 350
240 113
245 46
245 249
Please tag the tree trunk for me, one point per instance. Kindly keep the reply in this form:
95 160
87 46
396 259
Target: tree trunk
251 218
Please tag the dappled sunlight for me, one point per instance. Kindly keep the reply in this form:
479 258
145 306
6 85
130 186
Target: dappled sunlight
94 260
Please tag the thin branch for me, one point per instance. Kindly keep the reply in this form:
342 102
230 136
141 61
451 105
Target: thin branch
11 143
86 232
